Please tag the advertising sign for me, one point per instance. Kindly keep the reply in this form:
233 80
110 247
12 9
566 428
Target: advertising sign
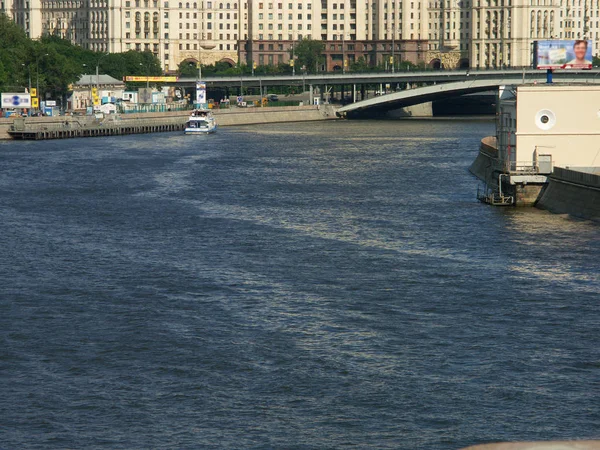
156 79
145 95
201 93
16 101
563 54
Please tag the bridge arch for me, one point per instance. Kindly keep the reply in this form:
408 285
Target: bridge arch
441 91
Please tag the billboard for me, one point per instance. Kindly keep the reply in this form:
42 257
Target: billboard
148 79
201 94
16 100
563 54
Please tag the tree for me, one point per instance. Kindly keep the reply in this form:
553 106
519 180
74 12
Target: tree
187 69
308 53
360 65
596 61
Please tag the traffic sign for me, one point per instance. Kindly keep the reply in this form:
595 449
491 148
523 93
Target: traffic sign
34 102
33 92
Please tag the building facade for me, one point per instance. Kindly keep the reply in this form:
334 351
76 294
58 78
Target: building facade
437 33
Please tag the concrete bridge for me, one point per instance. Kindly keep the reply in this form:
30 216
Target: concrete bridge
442 91
374 78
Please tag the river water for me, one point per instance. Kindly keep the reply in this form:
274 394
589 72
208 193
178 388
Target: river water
309 286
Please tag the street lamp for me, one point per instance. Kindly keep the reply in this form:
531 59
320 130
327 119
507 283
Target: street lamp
29 70
37 74
91 99
393 61
293 62
147 74
98 72
202 46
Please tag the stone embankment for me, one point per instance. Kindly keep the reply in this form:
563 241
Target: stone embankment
573 191
487 161
85 126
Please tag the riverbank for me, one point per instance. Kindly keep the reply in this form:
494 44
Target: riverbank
85 126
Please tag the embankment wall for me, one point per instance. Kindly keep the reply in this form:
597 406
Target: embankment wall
228 117
486 161
572 192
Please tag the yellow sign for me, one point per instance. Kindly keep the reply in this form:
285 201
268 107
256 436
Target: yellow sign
34 102
292 63
94 92
156 79
345 63
254 65
33 92
391 60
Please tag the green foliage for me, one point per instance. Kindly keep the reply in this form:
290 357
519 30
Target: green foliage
596 61
54 63
308 54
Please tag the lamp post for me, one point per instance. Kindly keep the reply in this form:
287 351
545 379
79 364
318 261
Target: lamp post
98 71
29 70
90 103
293 62
37 74
147 75
393 48
343 54
199 63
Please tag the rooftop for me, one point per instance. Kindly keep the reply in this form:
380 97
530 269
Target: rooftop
87 80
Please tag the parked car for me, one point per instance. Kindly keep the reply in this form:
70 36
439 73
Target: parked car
272 98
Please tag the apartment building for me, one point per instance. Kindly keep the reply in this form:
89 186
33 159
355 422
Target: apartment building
175 31
438 33
350 30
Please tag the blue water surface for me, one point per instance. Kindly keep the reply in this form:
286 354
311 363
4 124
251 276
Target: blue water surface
299 286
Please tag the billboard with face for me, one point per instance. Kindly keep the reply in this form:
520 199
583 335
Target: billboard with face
563 54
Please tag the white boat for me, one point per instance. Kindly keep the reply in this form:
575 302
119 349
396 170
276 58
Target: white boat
201 121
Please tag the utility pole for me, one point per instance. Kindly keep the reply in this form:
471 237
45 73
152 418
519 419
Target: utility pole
293 62
343 54
37 75
393 46
502 38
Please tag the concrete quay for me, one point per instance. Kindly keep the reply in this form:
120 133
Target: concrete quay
87 126
488 168
573 191
549 445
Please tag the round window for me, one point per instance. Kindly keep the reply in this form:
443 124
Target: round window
545 119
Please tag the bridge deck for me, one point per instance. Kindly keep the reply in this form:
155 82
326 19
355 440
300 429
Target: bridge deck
416 96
